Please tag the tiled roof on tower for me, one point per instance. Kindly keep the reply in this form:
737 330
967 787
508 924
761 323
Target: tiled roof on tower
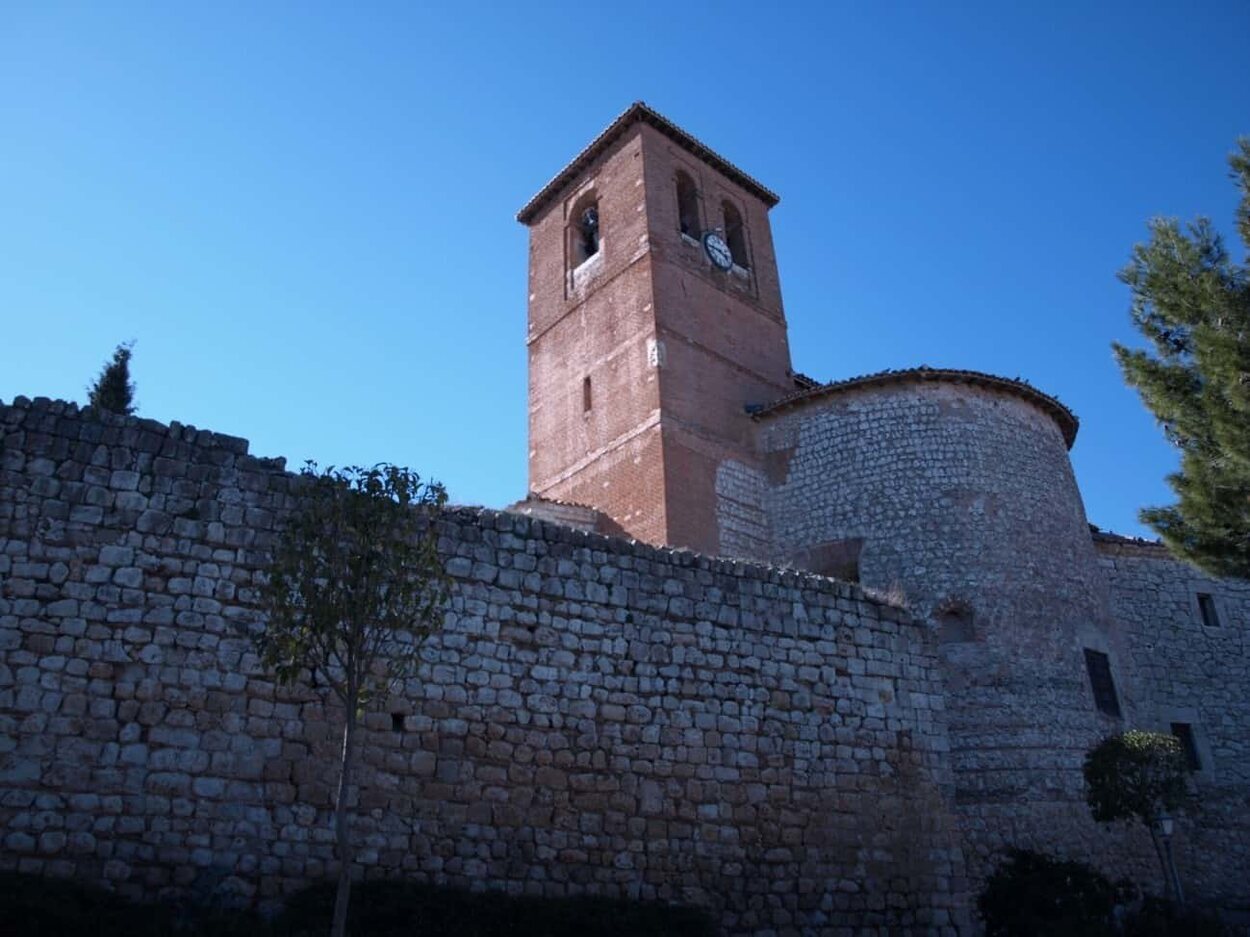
1065 418
635 113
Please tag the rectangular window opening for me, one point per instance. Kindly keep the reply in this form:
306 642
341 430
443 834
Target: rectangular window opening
1099 667
397 722
587 399
1206 605
1184 733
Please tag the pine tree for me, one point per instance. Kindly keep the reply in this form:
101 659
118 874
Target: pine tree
1192 302
113 389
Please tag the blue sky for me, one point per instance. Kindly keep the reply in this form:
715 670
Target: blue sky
303 213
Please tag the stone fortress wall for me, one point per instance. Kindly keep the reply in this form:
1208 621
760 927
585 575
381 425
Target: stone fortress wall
1197 673
950 490
597 716
960 499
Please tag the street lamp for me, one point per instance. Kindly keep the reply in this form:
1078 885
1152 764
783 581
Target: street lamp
1165 825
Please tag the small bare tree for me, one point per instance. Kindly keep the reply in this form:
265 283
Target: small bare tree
355 586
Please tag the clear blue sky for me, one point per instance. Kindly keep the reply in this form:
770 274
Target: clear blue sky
303 213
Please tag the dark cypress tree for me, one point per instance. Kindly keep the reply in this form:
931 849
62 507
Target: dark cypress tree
1192 302
113 389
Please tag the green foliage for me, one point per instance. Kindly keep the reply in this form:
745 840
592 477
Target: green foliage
1032 894
113 390
356 582
1192 303
355 586
1134 775
55 908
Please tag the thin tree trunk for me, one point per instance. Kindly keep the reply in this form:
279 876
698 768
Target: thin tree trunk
1167 875
342 833
1177 892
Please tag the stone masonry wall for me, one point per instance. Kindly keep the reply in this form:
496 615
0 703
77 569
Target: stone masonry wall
742 512
961 500
1199 674
597 716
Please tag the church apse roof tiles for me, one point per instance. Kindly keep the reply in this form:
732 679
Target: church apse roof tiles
1065 418
638 112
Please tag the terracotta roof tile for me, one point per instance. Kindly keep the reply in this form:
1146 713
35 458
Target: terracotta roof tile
1111 537
535 496
638 112
1068 423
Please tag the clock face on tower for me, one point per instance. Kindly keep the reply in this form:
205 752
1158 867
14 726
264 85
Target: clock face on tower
718 251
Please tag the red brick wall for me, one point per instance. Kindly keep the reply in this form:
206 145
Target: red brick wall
627 484
608 457
724 337
605 339
646 452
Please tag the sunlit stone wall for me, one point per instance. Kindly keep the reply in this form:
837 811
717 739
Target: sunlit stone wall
597 716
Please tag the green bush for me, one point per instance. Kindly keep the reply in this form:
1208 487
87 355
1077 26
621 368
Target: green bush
1031 894
1134 775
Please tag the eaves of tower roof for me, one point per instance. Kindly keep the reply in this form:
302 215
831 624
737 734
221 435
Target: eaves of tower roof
1065 418
1109 540
638 112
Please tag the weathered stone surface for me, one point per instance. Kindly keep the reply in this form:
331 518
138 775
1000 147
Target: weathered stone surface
1189 671
617 719
960 501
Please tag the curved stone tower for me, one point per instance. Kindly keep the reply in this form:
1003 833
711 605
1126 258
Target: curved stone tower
954 482
953 492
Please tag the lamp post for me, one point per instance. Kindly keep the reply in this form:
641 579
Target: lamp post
1165 825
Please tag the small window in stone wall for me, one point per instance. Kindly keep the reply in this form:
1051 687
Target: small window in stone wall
1184 733
587 398
954 621
397 722
1206 606
1099 667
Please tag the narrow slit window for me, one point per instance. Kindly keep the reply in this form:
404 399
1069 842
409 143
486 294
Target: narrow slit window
735 235
587 396
1099 667
1206 605
1184 733
687 205
397 722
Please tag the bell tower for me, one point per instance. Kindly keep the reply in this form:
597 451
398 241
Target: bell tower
655 324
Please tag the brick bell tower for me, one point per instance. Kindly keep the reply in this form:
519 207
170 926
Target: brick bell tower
655 322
